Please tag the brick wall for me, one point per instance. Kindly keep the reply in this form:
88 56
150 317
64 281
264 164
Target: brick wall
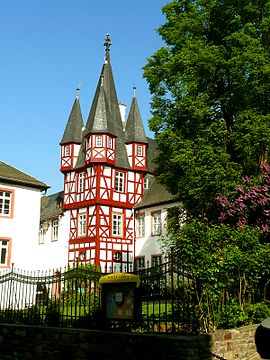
21 342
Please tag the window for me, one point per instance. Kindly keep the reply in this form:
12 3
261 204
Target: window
139 150
81 182
67 150
110 143
145 183
55 227
41 238
156 260
140 225
117 256
5 203
119 181
82 224
4 252
139 263
98 141
156 223
117 225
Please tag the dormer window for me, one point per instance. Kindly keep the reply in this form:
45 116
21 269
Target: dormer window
98 141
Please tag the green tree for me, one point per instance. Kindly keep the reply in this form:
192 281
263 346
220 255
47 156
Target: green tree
210 86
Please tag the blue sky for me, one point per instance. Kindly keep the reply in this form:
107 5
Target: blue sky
50 46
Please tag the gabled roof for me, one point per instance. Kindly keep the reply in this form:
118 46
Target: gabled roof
73 131
11 175
134 128
51 206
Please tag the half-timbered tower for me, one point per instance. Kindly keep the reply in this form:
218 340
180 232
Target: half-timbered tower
104 166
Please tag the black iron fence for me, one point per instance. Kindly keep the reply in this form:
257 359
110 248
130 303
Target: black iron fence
72 297
170 300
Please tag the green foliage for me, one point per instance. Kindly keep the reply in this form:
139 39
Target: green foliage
210 86
230 268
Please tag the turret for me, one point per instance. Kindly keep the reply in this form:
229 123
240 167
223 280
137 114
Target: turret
136 140
72 138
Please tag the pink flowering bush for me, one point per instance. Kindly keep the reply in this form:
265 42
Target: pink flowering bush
251 206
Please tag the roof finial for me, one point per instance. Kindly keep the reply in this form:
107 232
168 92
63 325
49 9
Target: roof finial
78 88
134 90
107 45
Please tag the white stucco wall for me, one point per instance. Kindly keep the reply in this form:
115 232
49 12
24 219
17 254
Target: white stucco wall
23 227
151 245
54 254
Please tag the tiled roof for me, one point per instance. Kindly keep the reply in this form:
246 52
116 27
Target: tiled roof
51 206
155 195
11 175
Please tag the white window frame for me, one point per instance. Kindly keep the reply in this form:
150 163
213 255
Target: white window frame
98 141
117 224
4 252
139 263
119 181
110 143
6 198
141 225
41 237
67 150
145 183
139 150
81 182
156 260
55 230
156 223
82 224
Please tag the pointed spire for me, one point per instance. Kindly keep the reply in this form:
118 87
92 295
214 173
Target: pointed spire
107 45
73 131
135 129
108 97
100 118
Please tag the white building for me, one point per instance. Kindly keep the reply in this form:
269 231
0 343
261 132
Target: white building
20 196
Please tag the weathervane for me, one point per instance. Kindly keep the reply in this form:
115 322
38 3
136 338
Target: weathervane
107 45
78 88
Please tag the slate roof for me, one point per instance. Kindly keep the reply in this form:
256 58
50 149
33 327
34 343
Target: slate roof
106 98
73 131
134 128
51 206
155 195
11 175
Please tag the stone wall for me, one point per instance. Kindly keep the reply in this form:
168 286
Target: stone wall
235 343
21 342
